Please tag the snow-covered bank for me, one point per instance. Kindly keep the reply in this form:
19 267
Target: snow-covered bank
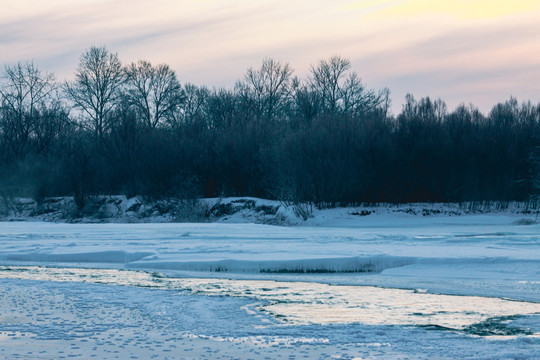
119 209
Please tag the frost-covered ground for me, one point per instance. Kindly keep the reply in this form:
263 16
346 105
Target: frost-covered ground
390 285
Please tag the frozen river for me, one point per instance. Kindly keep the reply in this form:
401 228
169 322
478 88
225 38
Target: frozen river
382 288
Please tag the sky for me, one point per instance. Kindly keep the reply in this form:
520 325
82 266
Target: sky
463 51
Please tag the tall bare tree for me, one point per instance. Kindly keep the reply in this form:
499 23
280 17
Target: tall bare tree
269 88
27 99
154 90
341 89
327 79
96 87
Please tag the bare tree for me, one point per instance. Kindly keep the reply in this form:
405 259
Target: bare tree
269 88
193 104
221 108
125 141
327 79
385 102
154 90
27 99
426 110
307 101
341 89
98 79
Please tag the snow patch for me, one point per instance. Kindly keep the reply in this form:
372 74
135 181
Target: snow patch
120 209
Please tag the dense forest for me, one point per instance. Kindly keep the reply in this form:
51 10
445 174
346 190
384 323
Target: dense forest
136 130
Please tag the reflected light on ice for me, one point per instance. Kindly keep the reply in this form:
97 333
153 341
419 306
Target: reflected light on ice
301 303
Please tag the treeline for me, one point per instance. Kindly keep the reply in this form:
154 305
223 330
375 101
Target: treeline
136 130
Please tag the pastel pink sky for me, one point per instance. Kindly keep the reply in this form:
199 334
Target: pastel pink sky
478 51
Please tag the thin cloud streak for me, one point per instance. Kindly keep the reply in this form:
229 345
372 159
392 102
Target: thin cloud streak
482 66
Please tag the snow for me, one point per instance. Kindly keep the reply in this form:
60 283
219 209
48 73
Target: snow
388 285
79 320
474 254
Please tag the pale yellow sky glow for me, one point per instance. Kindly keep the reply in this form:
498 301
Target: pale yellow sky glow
475 51
461 9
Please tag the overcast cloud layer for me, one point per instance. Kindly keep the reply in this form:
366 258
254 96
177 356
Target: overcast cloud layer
462 51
